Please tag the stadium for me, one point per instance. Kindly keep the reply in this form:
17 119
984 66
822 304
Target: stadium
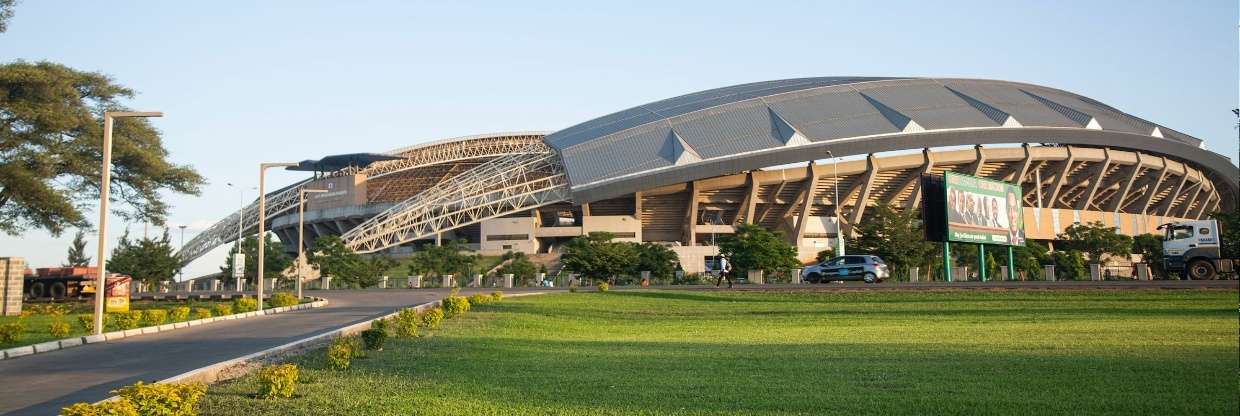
803 156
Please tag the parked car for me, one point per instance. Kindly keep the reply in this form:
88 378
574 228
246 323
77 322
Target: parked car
870 269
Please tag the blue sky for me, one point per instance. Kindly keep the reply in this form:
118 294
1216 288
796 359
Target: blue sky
242 83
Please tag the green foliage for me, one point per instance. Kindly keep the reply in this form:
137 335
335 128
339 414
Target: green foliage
77 252
147 260
1095 239
119 407
1149 246
431 318
1029 259
657 259
12 332
347 269
154 317
222 309
50 136
1069 265
596 257
479 299
179 313
894 235
497 296
519 265
374 338
339 353
202 313
603 287
825 255
277 381
274 260
432 260
125 320
6 13
58 328
86 321
572 289
245 304
405 324
1229 233
171 399
282 299
755 248
455 305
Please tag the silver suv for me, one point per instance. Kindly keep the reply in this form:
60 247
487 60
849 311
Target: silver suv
869 269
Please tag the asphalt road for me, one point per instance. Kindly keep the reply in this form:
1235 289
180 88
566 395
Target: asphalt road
42 384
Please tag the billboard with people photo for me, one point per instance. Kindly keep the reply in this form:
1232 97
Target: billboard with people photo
983 211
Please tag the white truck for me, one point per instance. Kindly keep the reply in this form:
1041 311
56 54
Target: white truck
1194 250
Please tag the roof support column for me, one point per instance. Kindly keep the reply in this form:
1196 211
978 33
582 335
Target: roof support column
871 173
1019 175
807 200
1200 211
691 211
979 160
1060 179
1165 205
1183 208
927 165
750 204
1118 199
1101 170
1153 188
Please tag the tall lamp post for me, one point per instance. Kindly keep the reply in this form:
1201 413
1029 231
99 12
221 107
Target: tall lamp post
239 265
262 219
835 188
182 227
101 280
301 229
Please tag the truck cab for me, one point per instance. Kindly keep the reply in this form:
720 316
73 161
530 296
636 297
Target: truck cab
1193 249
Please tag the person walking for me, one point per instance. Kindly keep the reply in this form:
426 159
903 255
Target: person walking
725 272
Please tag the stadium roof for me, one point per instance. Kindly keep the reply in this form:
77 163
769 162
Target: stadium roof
337 162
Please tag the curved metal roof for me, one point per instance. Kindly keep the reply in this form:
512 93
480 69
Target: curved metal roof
750 126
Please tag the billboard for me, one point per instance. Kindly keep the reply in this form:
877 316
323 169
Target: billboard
983 211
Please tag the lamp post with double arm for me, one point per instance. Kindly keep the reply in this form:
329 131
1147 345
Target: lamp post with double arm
262 221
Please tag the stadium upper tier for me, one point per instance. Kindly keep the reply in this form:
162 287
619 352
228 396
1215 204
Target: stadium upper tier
455 183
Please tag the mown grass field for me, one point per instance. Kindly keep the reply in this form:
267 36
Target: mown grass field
667 352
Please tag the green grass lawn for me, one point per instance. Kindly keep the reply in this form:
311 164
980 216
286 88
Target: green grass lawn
37 324
668 352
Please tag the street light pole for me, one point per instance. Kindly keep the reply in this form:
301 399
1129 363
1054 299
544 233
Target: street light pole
301 229
835 188
101 279
182 227
262 219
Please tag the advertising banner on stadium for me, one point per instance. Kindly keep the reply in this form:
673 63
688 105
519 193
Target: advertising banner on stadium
983 211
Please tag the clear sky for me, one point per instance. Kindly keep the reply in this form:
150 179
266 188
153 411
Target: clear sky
241 83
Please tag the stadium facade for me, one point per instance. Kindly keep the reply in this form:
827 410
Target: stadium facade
684 170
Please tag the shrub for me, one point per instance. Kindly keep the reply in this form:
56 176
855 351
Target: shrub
170 399
282 299
87 322
406 323
178 314
572 289
12 332
497 296
202 313
431 318
603 287
277 381
245 304
339 353
154 317
120 407
455 305
125 320
222 309
374 338
58 328
479 299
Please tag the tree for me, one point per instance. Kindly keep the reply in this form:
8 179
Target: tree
519 265
147 260
77 252
51 124
367 271
6 13
1149 246
1095 239
660 261
275 261
1069 265
755 248
432 260
1029 258
333 258
1229 233
596 257
895 236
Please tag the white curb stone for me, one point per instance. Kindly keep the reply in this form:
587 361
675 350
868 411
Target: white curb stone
70 342
46 346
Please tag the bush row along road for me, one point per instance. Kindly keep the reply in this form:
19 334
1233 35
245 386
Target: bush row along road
44 383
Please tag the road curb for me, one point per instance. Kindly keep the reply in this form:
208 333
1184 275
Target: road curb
60 344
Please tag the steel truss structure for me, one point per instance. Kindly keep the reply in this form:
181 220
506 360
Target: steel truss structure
529 178
479 147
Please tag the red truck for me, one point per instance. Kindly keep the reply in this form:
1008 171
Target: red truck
63 282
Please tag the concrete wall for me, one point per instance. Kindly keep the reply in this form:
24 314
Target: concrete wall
692 258
12 270
613 224
494 228
1046 223
342 191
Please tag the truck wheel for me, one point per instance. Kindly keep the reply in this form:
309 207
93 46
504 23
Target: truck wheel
58 290
1200 269
37 290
